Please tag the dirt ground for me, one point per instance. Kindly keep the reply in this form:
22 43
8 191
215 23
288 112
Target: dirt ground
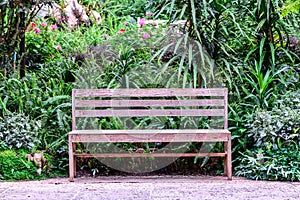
149 187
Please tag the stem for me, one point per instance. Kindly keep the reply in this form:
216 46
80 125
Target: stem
22 44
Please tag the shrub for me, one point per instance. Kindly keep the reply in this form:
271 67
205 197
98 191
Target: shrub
18 131
282 122
271 163
276 137
15 166
3 146
41 43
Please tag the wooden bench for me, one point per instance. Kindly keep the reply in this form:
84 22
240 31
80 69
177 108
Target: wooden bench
101 103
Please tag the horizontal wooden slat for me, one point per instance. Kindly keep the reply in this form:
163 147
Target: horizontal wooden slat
149 136
144 103
149 112
158 92
135 155
151 131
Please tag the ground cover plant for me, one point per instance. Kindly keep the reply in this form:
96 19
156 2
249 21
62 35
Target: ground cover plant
251 46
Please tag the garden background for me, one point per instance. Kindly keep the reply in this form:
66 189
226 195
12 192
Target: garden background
252 45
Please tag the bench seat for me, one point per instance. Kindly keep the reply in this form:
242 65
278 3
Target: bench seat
165 135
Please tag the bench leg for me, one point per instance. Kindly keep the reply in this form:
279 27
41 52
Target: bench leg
225 158
71 160
229 162
74 159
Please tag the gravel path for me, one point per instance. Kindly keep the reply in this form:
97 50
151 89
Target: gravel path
149 187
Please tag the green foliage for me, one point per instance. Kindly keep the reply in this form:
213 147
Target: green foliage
162 9
271 163
127 8
3 146
120 59
261 85
33 94
282 122
290 6
244 45
19 131
236 35
91 4
15 16
46 98
41 44
15 166
275 135
238 117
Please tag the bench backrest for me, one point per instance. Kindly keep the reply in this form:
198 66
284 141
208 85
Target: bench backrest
149 102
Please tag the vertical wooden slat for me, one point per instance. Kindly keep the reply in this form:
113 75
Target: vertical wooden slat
73 110
225 108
